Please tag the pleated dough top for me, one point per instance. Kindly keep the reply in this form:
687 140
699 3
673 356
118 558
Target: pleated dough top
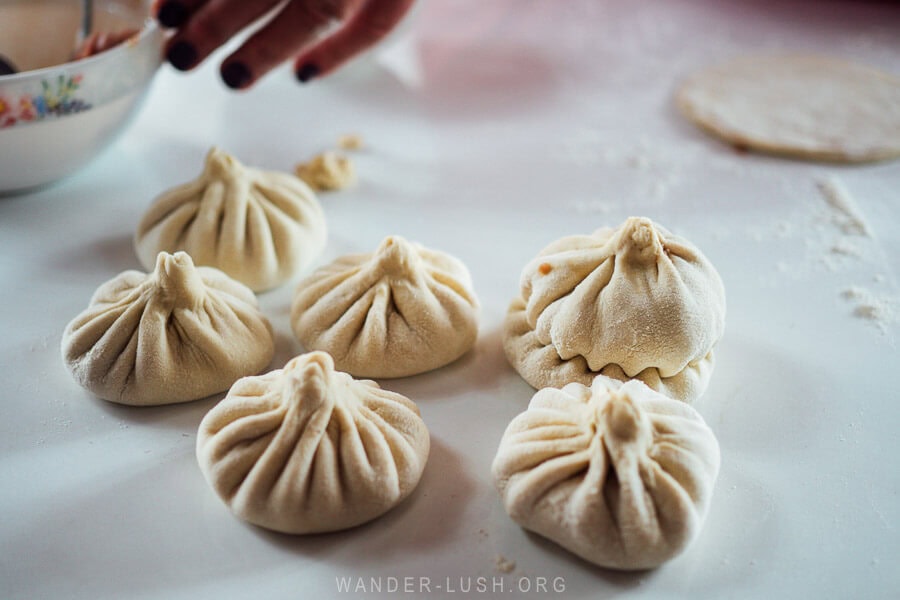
308 449
259 227
177 334
402 310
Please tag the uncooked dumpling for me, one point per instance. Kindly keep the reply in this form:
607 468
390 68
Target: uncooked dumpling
399 311
803 106
177 334
259 227
307 449
616 473
632 302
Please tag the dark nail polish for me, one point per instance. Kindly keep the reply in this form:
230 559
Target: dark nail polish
236 75
7 67
172 14
307 72
182 55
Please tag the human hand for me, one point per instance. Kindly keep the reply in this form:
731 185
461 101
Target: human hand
99 42
296 29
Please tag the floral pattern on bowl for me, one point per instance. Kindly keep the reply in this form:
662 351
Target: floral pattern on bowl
53 120
57 97
46 94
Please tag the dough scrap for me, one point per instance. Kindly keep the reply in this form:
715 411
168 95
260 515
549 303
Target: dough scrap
800 106
307 449
259 227
327 172
351 142
632 302
616 473
177 334
401 310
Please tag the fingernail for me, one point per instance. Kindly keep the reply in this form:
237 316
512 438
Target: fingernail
307 72
6 66
172 14
182 55
236 75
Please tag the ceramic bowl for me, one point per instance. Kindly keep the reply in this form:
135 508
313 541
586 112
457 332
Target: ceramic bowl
55 116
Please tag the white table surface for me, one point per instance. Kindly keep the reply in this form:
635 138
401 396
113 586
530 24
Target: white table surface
499 127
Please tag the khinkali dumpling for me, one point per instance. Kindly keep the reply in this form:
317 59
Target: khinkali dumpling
399 311
177 334
616 473
633 302
307 449
259 227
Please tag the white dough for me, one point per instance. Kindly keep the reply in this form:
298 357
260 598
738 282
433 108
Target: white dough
802 106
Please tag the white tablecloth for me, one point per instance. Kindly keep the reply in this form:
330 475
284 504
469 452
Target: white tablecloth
491 129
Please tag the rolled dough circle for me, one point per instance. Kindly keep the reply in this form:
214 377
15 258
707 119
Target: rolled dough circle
800 106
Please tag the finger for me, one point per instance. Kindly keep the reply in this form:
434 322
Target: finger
287 33
99 42
212 25
86 48
367 26
174 13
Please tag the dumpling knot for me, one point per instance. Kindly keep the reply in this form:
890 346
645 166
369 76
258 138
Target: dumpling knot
639 241
396 257
221 165
623 419
178 279
309 377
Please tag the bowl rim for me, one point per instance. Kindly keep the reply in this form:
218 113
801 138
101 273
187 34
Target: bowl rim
148 28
